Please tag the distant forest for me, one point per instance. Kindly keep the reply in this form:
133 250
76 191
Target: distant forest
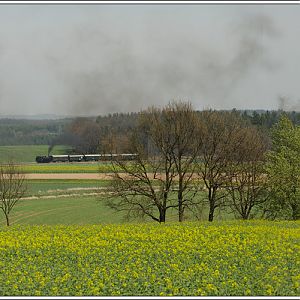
30 132
48 132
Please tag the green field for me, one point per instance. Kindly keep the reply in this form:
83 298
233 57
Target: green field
27 153
62 202
256 258
55 201
62 210
77 209
76 167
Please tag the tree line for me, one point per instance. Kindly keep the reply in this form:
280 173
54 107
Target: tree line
188 158
109 133
111 127
30 132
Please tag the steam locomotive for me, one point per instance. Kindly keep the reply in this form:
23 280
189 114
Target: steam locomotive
84 157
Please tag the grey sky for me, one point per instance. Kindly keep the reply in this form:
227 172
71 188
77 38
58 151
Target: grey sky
95 59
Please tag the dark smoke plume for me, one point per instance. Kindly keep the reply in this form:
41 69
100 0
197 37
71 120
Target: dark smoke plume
111 74
98 63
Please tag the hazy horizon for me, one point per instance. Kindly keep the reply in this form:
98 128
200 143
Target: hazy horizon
100 59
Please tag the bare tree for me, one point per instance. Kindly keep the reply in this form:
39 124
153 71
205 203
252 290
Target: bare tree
12 188
246 181
83 135
112 142
175 128
142 187
167 144
220 139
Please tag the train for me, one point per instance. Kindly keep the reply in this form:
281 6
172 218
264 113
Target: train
84 157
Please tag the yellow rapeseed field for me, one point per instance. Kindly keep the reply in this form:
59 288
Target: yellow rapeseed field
227 258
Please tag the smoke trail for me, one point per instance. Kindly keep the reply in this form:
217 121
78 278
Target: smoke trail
93 69
118 75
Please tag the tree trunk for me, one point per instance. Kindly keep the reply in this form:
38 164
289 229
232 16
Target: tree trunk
162 216
211 205
181 213
247 214
7 219
180 207
211 213
180 200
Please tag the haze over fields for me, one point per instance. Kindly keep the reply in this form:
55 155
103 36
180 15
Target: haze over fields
98 59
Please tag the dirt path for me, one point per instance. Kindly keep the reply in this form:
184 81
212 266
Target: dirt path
63 196
102 176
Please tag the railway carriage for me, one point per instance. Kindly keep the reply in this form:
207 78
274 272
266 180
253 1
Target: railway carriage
77 158
85 157
59 158
92 157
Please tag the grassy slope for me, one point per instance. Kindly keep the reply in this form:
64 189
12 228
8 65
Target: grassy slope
80 210
27 153
77 209
73 210
66 168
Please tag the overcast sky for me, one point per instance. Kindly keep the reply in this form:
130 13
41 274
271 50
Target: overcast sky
97 59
